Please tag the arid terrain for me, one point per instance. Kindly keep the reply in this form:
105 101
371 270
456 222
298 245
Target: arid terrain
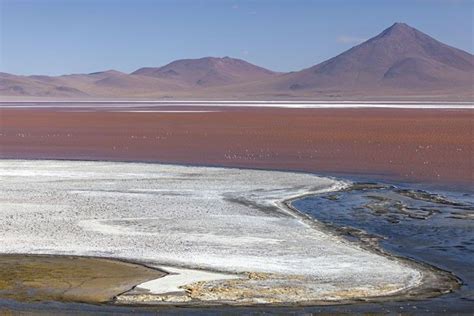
400 63
402 144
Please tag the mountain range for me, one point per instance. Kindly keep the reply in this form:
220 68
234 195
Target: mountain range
401 62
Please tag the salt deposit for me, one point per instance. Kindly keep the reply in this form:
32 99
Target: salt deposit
230 221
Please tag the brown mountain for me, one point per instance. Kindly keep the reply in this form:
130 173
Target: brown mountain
399 63
117 83
110 83
38 86
400 59
208 72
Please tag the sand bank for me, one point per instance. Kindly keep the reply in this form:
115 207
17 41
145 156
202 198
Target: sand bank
65 278
229 221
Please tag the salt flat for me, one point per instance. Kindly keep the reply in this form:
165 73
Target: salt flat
130 105
230 221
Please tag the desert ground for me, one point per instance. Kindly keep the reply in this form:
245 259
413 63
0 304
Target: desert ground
405 144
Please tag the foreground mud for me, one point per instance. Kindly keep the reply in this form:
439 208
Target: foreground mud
64 278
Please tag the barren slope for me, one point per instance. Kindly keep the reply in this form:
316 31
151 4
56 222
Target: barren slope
400 59
208 71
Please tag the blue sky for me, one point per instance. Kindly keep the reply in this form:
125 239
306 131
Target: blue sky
80 36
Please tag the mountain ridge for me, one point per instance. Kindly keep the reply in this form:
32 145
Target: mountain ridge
368 62
207 71
399 61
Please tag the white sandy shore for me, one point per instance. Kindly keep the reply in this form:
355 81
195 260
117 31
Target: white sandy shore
158 111
226 220
120 104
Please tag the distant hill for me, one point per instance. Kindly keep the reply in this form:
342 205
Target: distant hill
109 84
400 58
399 63
38 86
208 72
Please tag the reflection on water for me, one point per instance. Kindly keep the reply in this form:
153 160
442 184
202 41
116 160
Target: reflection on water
433 228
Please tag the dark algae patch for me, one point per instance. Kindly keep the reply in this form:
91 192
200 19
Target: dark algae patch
434 229
30 278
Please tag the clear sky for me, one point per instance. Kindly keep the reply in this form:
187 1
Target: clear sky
81 36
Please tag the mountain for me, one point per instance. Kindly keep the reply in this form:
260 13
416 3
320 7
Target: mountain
400 59
208 72
117 83
38 86
399 63
110 83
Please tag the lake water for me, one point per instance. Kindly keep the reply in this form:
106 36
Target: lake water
431 227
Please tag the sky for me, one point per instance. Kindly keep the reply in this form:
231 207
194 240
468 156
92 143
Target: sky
54 37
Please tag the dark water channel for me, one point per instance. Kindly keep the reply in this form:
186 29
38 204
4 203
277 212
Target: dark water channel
435 228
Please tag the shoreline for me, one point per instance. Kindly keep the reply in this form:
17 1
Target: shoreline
349 177
434 282
431 274
413 104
